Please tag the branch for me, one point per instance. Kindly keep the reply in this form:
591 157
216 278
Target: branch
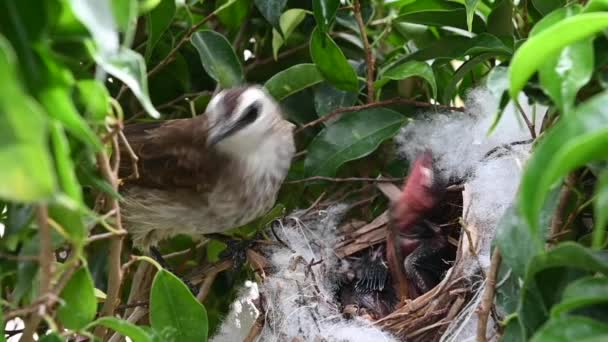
172 53
488 296
530 124
369 56
397 100
114 271
45 260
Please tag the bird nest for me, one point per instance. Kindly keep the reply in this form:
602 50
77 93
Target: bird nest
307 292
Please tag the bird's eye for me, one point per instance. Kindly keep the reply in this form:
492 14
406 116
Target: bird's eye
250 115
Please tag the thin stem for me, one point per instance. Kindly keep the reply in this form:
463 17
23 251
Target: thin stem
488 296
397 100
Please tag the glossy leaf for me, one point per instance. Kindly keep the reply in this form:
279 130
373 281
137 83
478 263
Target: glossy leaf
545 7
157 22
328 98
466 68
52 337
438 13
537 49
600 211
26 170
583 292
292 80
572 142
570 254
271 10
571 328
596 6
69 219
500 20
94 98
325 12
79 304
331 62
406 70
289 21
98 18
125 328
235 12
353 136
174 312
218 58
59 106
130 67
562 75
470 6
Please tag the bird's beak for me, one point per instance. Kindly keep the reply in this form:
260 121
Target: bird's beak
220 133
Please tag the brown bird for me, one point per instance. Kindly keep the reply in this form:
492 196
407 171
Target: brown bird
208 173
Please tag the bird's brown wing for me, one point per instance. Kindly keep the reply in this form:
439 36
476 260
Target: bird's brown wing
172 154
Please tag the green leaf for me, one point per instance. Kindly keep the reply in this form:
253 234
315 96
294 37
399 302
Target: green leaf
78 305
572 142
569 254
94 98
331 62
438 13
562 75
292 80
539 48
26 171
325 12
470 5
158 21
174 312
289 21
570 328
580 293
406 70
59 105
596 6
328 98
235 12
271 11
52 337
463 70
545 7
129 67
135 333
218 58
353 136
69 219
600 211
98 18
500 20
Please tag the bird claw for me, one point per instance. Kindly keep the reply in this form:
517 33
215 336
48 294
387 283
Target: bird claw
237 251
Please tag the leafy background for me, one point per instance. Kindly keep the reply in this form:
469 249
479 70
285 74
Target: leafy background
350 74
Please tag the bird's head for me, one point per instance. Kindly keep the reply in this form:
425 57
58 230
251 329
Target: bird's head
241 118
421 191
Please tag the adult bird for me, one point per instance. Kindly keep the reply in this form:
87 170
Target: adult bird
208 173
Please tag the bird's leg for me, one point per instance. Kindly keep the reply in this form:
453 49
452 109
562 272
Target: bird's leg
236 248
159 258
423 265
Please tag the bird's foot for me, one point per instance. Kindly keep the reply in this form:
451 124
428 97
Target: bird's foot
236 249
159 258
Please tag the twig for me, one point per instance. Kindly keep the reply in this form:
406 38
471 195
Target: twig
530 124
393 101
132 155
105 236
257 62
344 180
369 56
487 301
46 270
114 264
172 53
210 278
256 329
557 222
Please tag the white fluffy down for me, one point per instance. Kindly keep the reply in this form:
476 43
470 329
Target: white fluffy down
299 298
491 165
